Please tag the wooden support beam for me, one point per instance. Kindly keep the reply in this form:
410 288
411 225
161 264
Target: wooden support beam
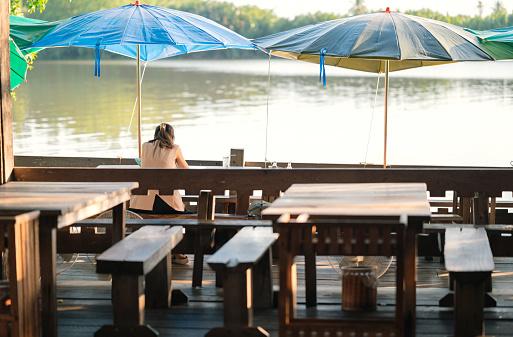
6 138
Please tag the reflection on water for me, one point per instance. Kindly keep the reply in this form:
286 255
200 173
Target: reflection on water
456 114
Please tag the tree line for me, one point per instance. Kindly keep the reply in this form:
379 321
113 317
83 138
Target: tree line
249 21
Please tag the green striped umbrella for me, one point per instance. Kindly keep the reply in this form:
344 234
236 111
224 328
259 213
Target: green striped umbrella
19 65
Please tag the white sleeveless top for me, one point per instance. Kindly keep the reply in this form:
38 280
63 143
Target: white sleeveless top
153 156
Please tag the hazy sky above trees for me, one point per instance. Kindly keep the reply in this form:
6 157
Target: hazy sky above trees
291 8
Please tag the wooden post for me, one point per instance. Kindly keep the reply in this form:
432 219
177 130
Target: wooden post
480 208
493 204
202 237
6 139
237 157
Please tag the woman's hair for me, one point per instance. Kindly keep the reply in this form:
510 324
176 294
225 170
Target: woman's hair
165 134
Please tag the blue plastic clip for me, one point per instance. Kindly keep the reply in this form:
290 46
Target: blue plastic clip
322 74
97 58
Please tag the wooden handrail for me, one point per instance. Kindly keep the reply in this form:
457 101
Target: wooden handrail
273 181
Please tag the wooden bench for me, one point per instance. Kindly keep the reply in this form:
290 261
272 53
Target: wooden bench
245 265
140 266
91 241
499 236
468 257
446 217
431 243
22 316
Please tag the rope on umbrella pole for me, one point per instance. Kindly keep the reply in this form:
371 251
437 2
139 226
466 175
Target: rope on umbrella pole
123 145
372 118
267 117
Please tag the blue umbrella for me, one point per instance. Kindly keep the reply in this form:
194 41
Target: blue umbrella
143 32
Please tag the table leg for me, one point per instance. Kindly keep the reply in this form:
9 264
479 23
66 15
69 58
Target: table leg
118 222
48 261
410 277
288 286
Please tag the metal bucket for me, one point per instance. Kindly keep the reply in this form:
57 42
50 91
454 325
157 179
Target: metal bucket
359 288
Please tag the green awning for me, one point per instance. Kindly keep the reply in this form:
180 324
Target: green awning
498 42
25 32
19 65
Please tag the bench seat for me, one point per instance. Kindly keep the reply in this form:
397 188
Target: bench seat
88 241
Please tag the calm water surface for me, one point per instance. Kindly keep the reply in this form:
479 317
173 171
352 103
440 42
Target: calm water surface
458 114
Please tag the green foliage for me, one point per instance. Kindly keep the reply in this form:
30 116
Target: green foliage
358 8
29 5
499 18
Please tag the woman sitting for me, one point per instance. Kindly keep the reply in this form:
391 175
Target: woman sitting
161 152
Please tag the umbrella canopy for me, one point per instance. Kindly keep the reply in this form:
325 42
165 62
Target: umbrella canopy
19 65
161 32
25 32
499 42
143 32
364 42
378 42
504 34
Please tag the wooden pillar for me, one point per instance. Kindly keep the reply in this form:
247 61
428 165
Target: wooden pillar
6 139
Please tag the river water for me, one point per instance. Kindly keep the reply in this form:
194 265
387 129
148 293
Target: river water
457 114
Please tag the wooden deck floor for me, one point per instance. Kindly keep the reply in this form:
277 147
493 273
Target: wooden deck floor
84 301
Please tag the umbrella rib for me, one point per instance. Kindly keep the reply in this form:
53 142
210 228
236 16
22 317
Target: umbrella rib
127 24
396 39
345 20
460 35
204 31
87 30
437 40
162 26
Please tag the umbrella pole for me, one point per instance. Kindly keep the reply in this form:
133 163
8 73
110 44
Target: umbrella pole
139 100
386 114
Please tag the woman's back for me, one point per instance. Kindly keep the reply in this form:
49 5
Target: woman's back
154 156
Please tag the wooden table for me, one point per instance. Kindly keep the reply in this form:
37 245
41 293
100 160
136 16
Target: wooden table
61 204
375 202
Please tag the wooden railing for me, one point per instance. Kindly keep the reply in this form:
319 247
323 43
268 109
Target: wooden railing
237 159
474 187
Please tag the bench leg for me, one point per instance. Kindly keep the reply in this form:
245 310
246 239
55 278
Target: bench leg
238 298
237 306
311 279
158 284
448 300
469 303
202 239
128 299
263 282
158 287
128 305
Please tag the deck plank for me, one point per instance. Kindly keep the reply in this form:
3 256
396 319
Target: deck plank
84 300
